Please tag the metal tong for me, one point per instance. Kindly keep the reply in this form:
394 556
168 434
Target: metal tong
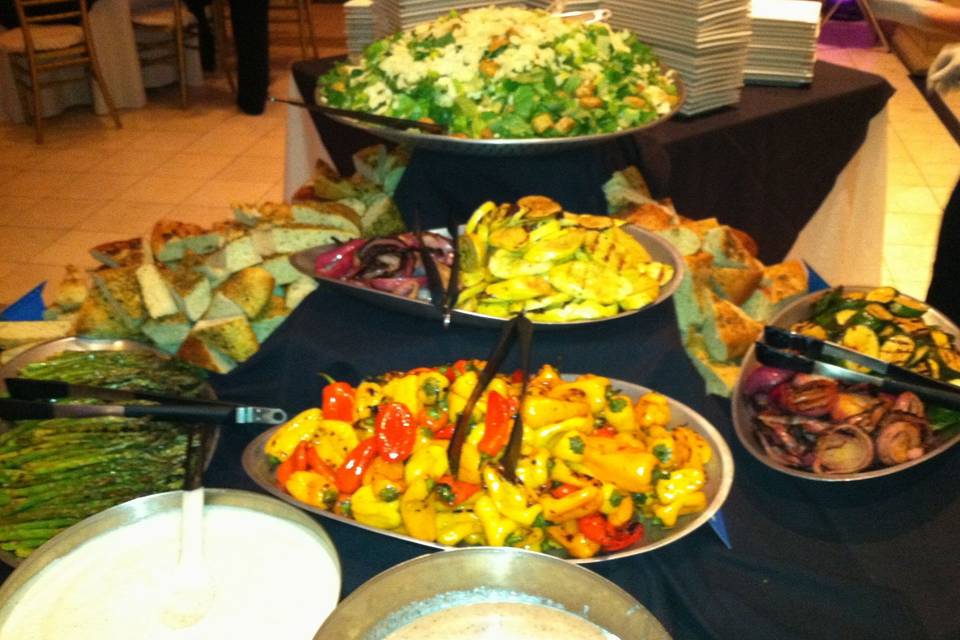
519 328
443 299
386 121
30 400
805 354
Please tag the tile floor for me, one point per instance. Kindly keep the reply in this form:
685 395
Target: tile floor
91 183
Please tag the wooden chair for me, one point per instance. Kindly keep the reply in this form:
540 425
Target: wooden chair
41 45
282 11
177 30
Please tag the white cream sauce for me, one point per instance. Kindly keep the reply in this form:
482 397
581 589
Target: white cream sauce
500 621
271 579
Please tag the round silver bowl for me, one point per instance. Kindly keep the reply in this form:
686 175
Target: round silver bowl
486 574
129 512
659 249
719 480
743 421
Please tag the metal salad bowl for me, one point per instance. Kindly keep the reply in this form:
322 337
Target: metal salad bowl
743 416
486 574
55 347
719 473
660 250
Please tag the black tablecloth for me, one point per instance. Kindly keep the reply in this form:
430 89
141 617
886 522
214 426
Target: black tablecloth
764 166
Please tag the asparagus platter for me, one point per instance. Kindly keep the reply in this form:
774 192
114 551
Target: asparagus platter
54 473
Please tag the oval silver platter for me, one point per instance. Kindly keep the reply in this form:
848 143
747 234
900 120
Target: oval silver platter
743 423
56 347
719 480
505 146
658 248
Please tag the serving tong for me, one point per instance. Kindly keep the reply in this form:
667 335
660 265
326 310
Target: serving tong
444 299
805 354
386 121
30 400
518 329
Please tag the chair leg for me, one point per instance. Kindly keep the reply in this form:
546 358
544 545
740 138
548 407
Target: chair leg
181 52
37 103
301 29
313 36
105 92
867 11
220 33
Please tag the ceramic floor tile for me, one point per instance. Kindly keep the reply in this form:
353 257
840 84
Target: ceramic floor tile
23 277
904 174
33 184
135 163
272 145
214 142
70 160
194 165
165 140
5 268
161 190
939 174
274 193
225 192
74 248
911 229
56 213
130 218
100 186
253 169
21 244
915 288
908 262
912 200
202 215
17 156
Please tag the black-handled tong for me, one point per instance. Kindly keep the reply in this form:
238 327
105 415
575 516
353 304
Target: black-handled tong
434 283
30 401
453 285
518 328
387 121
796 352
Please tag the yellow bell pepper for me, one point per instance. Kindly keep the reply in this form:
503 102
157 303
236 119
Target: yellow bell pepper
428 462
546 379
700 451
545 436
570 447
452 528
369 394
419 516
680 483
569 537
432 384
333 440
509 499
610 461
618 412
313 488
586 388
285 440
469 470
405 390
612 497
540 411
690 503
460 392
622 514
496 527
533 541
652 409
368 509
561 472
533 469
571 506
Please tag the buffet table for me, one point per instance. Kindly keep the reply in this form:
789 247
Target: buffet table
802 170
872 559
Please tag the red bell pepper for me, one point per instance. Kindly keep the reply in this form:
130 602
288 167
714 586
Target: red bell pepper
456 370
395 431
338 401
564 490
296 461
461 491
349 475
499 420
315 464
440 426
610 538
605 432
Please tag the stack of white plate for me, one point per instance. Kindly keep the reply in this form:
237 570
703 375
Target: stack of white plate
704 40
412 12
367 21
784 41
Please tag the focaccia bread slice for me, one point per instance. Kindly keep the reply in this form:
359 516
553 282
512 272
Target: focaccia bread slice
17 333
169 332
196 351
121 291
781 284
191 290
249 289
119 253
73 289
272 316
233 337
727 331
156 295
171 239
96 319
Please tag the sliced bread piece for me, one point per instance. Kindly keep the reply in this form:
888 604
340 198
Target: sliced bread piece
20 332
196 351
154 291
171 239
270 318
381 217
237 254
728 332
73 289
719 376
121 291
250 289
168 332
222 307
328 185
297 237
299 290
191 290
120 253
96 319
684 240
781 284
266 212
727 248
333 215
736 284
231 336
652 216
281 269
692 295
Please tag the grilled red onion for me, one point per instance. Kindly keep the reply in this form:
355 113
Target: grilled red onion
843 449
407 287
807 395
339 261
762 379
901 437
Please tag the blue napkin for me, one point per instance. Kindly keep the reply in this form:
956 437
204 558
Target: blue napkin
28 307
